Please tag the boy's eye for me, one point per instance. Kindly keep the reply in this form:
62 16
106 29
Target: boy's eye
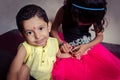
41 28
29 32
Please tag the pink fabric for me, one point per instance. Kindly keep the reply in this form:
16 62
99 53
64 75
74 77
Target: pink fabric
61 36
97 64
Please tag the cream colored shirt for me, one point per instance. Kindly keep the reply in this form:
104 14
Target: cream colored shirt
40 60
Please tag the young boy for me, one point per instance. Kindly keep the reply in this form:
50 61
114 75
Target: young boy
37 54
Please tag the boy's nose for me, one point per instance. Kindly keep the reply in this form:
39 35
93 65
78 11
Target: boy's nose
37 35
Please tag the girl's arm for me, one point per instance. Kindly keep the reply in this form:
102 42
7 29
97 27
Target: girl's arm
96 40
17 64
81 49
56 24
55 29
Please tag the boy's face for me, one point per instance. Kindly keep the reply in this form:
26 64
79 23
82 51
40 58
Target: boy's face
36 31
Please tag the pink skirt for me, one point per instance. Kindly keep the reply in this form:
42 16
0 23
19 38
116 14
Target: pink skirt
97 64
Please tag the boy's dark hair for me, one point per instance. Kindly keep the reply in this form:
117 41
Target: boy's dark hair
86 16
28 12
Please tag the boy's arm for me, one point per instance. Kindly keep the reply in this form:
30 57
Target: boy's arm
17 64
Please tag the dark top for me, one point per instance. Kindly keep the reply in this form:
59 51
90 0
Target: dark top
75 34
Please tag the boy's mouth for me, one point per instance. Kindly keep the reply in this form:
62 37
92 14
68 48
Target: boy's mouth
40 42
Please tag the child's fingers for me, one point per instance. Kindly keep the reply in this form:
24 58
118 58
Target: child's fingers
75 49
77 56
66 47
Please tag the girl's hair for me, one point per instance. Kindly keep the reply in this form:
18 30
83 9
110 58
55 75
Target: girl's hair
86 11
28 12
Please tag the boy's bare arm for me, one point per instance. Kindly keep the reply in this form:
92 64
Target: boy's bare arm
17 64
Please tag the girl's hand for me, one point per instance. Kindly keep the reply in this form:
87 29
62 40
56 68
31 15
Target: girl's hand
61 55
80 50
65 47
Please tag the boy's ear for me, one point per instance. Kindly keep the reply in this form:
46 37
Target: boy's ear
49 26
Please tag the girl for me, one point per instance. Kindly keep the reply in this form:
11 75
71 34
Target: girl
37 54
90 60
